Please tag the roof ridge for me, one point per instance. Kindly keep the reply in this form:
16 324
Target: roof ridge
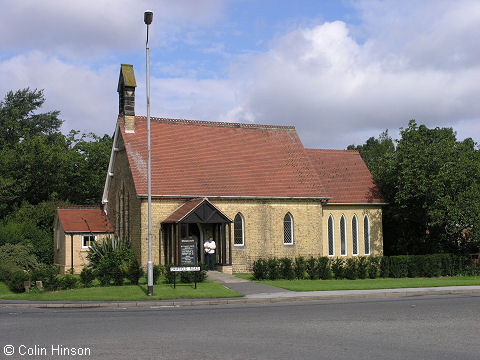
215 123
79 207
331 150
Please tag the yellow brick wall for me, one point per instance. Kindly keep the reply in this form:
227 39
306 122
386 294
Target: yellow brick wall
63 256
374 214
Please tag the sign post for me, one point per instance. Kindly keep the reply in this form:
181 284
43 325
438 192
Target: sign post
188 259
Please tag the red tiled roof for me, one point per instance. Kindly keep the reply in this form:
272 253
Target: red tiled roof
345 176
84 219
183 210
202 159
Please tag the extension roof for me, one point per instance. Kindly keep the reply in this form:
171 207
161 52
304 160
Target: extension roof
212 159
84 219
345 176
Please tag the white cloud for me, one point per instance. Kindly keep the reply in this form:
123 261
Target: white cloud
336 89
91 28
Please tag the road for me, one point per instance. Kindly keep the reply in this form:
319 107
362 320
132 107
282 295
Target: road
441 327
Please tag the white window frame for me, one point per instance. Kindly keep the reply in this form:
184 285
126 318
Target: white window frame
344 234
368 239
83 240
291 229
356 237
333 236
243 230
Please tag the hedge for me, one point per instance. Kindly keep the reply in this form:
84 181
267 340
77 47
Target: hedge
361 267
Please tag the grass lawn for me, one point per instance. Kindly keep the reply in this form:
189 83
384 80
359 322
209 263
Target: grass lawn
365 284
207 289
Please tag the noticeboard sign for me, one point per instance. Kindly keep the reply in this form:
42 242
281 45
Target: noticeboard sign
188 251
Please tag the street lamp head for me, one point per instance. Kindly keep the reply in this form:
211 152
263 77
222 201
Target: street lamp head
148 17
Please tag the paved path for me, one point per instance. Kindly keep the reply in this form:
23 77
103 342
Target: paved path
246 287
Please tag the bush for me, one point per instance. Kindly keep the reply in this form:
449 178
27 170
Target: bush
385 267
107 246
158 270
300 267
67 282
286 270
109 269
47 274
16 278
312 268
273 272
135 272
399 266
373 266
323 268
350 270
260 269
87 276
362 267
337 268
19 255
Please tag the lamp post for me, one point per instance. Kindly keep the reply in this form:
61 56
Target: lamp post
147 18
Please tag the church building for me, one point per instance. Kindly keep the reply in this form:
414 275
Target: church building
255 188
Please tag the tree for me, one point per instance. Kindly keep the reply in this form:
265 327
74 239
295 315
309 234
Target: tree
19 120
432 184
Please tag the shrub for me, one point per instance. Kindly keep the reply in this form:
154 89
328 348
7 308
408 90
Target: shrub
350 270
286 270
87 276
373 266
260 269
399 266
67 281
273 272
312 268
16 278
108 245
19 255
158 270
337 268
323 268
109 269
300 267
47 274
385 267
362 267
135 272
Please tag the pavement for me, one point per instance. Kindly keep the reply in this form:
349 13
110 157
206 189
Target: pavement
253 293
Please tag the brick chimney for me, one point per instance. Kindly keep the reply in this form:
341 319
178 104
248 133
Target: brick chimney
126 97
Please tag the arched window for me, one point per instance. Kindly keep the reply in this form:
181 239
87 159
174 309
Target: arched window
288 229
354 235
331 243
238 230
343 237
366 234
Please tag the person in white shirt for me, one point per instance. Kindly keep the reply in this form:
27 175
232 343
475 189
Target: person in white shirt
209 248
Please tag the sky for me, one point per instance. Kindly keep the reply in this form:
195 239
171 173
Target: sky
339 71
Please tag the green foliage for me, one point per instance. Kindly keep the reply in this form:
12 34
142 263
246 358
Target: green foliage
87 276
273 271
134 272
111 269
431 182
100 249
362 266
158 270
286 269
15 279
350 268
300 267
337 266
260 269
67 282
373 266
48 274
18 255
312 268
323 266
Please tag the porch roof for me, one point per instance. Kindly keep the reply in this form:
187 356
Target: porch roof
199 210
